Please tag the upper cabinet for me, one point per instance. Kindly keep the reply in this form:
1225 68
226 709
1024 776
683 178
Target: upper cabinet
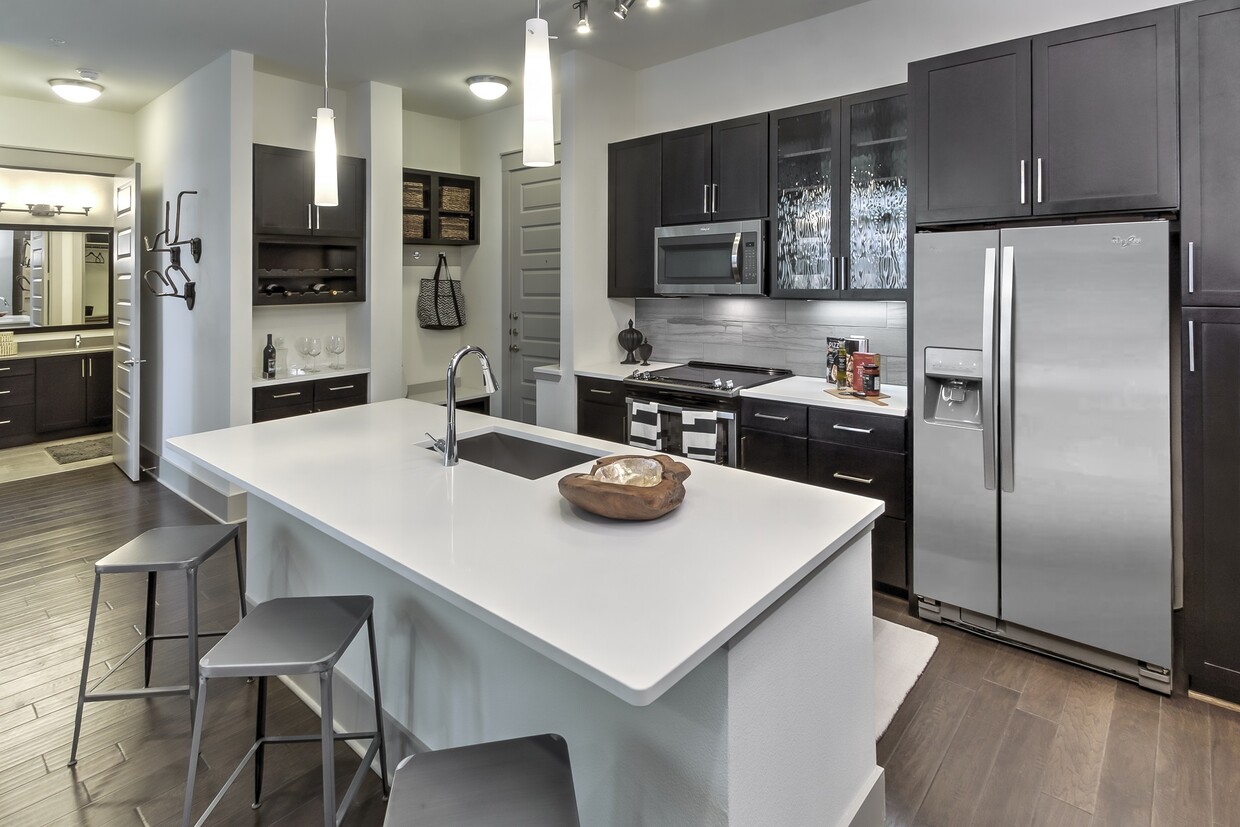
439 208
1210 133
284 195
715 172
1081 120
839 203
634 187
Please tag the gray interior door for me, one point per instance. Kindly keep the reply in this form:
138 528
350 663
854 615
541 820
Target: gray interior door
38 278
1086 467
126 353
533 284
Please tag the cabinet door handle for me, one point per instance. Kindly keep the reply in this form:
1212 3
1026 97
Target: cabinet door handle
1192 355
286 395
1039 180
1190 266
604 393
6 422
309 216
83 368
318 218
1022 181
850 478
761 415
705 198
5 393
852 429
5 368
90 368
714 197
342 388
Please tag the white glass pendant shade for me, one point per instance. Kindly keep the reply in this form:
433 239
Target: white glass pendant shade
539 141
325 192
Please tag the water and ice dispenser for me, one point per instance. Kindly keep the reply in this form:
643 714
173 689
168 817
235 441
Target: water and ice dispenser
953 387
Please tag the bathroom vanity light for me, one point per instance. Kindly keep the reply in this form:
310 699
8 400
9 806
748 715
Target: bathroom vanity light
488 87
44 210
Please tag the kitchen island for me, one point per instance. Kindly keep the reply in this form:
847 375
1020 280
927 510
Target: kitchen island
713 667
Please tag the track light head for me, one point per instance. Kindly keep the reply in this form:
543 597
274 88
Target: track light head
622 8
583 16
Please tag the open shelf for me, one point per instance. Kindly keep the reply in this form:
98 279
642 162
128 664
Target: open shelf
439 208
289 271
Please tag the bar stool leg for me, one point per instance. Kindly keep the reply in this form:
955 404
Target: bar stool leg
148 654
374 676
260 732
81 699
329 749
191 634
240 574
194 747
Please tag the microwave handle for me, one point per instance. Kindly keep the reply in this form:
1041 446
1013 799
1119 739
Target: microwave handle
736 260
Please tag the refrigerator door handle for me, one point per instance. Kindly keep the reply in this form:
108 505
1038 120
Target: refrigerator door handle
1007 477
988 371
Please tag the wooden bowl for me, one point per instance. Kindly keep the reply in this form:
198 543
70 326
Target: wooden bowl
627 502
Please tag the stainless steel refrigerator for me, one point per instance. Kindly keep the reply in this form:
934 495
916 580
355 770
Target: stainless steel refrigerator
1042 440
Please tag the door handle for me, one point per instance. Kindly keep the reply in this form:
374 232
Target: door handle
1007 475
1022 181
515 332
705 198
132 362
318 218
1192 352
514 348
286 395
988 371
5 393
309 216
714 196
851 478
1039 180
341 388
604 393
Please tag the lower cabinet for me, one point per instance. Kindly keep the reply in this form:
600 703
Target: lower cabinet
297 398
16 402
1211 454
850 451
601 408
73 394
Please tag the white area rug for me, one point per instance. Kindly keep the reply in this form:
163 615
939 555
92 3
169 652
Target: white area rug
900 655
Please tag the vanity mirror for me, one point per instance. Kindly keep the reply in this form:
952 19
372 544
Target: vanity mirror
53 278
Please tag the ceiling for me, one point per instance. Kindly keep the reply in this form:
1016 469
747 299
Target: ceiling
143 47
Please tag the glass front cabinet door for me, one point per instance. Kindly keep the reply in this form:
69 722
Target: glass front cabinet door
839 211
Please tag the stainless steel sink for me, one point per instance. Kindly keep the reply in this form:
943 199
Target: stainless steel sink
515 455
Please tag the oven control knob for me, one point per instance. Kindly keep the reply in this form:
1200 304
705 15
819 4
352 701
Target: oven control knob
717 384
644 375
729 385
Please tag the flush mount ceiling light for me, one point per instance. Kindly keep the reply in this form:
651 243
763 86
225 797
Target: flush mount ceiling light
653 4
622 8
80 90
325 191
538 141
488 87
583 16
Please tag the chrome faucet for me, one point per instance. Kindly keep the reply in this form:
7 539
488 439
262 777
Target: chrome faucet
447 445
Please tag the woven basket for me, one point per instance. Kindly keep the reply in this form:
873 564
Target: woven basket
456 199
8 344
456 229
415 195
415 226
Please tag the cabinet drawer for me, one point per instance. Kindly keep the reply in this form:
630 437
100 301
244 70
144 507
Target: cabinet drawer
602 391
16 367
775 455
342 387
296 409
17 390
778 417
282 396
877 474
336 402
16 425
886 433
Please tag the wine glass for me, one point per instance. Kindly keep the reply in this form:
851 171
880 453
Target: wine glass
335 346
303 347
314 346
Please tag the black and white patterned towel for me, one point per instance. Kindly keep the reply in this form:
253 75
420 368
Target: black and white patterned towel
699 434
644 425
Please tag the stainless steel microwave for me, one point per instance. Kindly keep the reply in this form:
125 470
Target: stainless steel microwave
727 258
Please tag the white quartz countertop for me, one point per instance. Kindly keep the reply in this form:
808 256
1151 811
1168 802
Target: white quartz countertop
439 396
615 370
300 375
68 351
632 607
812 390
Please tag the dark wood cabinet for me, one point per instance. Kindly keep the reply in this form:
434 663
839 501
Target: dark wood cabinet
284 195
1081 120
776 455
440 208
1211 449
1210 133
73 394
16 402
839 204
298 398
634 191
601 410
715 172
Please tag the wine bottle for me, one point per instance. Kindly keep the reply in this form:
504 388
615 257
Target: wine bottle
269 359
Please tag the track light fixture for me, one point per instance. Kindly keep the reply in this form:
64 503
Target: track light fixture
583 16
622 8
653 4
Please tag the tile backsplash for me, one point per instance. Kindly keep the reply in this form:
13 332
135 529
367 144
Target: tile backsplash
772 332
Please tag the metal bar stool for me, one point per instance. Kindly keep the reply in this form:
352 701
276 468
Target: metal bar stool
170 548
496 784
293 636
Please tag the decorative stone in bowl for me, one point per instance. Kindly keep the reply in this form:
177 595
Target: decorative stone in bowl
628 487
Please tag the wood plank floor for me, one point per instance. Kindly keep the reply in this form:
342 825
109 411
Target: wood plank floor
990 736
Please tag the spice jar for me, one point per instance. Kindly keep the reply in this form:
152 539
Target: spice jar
870 384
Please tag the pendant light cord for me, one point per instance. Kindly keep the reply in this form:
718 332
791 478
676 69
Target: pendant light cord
325 106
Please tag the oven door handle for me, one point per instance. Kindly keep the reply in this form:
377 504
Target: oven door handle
736 258
663 408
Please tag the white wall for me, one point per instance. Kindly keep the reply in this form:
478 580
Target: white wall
19 187
284 112
431 142
196 136
66 127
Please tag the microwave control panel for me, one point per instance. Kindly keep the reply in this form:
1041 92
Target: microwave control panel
749 260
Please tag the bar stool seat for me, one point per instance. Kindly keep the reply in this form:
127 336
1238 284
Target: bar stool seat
165 549
497 784
293 636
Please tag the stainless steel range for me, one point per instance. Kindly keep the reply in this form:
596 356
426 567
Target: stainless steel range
691 410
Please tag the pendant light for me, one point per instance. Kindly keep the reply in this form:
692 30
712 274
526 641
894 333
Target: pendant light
538 145
325 192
